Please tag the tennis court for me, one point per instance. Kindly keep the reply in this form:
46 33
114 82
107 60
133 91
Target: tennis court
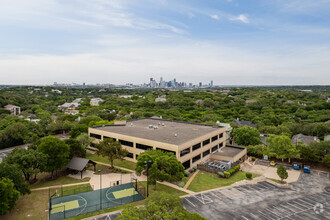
73 205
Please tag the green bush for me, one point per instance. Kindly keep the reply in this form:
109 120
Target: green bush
253 158
231 171
181 184
248 175
186 173
236 168
227 174
195 168
221 174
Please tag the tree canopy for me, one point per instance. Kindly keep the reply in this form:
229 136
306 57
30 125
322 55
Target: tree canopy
281 147
164 166
57 153
246 135
159 205
282 173
13 172
111 149
8 195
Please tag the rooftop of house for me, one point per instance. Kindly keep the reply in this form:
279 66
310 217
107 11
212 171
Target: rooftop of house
229 151
306 140
10 106
161 130
244 123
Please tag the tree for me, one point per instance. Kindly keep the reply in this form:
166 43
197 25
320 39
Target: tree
8 195
326 160
111 149
282 147
57 151
84 139
76 148
78 129
164 166
159 205
12 172
282 173
307 153
15 134
30 162
246 135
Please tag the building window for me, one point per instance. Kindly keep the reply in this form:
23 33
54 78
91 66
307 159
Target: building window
166 150
221 145
196 146
215 138
221 135
206 142
105 137
215 148
198 157
184 152
97 136
143 147
186 164
126 143
130 155
207 152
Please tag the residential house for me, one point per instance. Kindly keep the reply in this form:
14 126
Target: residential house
95 101
14 110
306 140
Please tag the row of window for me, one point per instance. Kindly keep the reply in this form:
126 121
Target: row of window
195 147
143 147
126 143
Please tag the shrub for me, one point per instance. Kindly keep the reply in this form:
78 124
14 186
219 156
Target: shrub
248 175
181 184
221 174
227 174
253 158
231 171
191 170
186 173
194 168
236 168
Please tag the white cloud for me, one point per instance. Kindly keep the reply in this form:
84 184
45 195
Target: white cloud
216 17
243 18
190 61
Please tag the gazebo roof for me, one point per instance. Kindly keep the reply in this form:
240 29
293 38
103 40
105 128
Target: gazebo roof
77 163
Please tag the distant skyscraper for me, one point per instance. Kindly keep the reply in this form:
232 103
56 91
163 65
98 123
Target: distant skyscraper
211 84
200 84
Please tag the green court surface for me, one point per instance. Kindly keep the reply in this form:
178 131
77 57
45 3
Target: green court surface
81 203
65 206
124 193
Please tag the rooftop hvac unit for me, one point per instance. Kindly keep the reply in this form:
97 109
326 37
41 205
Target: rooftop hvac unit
163 124
131 124
175 135
151 126
155 127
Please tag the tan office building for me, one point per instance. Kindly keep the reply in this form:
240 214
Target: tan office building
191 143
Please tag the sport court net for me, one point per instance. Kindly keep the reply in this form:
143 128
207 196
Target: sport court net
77 204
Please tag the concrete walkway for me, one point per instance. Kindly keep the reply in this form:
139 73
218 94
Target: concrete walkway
58 186
190 180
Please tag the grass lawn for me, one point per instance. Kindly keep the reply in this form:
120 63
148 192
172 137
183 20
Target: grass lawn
35 205
163 188
204 181
43 182
106 169
120 163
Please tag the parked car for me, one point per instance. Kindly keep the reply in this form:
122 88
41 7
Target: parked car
296 166
307 169
272 163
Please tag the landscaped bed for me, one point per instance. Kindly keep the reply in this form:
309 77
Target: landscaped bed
204 180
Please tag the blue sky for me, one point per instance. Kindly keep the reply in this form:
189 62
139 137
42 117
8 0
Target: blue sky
246 42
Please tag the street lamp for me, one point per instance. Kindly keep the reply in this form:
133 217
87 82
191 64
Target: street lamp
148 165
100 188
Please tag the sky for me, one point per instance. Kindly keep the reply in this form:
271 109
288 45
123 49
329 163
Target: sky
232 42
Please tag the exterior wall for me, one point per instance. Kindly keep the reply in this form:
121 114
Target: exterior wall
175 148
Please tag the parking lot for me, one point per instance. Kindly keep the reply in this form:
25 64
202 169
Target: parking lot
306 199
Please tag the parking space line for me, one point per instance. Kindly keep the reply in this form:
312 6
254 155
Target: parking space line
305 202
262 186
245 217
272 212
300 204
309 215
281 210
190 202
264 215
254 216
295 206
215 195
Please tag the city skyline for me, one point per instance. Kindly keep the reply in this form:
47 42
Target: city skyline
232 42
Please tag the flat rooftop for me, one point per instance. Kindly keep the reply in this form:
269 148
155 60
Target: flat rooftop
171 132
229 151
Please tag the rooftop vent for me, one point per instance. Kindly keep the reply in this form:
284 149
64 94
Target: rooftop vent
155 127
151 126
175 135
163 124
131 124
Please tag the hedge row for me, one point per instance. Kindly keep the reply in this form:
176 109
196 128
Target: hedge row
230 172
